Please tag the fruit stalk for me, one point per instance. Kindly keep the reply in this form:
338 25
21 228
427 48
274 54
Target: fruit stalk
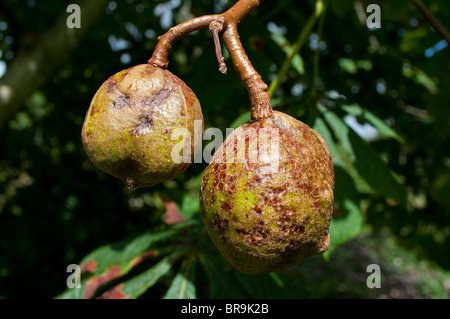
160 56
260 106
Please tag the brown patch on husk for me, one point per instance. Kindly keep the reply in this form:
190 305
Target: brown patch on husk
128 128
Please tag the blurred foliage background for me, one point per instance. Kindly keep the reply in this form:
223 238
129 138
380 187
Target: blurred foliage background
379 97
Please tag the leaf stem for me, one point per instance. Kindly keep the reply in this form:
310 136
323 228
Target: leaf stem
296 47
317 56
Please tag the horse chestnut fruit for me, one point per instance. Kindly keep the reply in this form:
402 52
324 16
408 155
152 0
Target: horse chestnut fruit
128 127
267 221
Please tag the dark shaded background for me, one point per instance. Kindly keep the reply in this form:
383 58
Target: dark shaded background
55 206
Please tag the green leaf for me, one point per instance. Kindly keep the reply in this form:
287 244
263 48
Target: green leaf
347 220
344 229
347 223
322 129
339 156
136 286
245 117
259 286
283 43
221 282
380 125
420 77
183 285
190 205
73 293
122 254
367 162
348 65
414 40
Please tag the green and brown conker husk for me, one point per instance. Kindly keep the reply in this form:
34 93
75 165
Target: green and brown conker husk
128 128
267 222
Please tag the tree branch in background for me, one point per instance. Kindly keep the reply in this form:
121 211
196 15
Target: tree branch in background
432 20
34 64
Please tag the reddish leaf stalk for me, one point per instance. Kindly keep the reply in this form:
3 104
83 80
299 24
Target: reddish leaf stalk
260 106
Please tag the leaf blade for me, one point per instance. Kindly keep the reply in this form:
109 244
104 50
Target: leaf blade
380 125
139 284
183 285
222 284
365 159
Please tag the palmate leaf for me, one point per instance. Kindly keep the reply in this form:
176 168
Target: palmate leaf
365 159
110 262
183 285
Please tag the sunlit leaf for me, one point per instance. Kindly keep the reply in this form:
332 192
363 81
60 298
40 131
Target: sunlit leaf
344 229
419 76
347 219
380 125
348 65
366 160
322 129
415 40
243 118
283 43
346 198
190 205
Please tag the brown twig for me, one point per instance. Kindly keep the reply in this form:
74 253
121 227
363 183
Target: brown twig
433 20
160 56
260 106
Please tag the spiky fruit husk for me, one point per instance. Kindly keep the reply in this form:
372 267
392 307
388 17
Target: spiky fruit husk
127 131
264 219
